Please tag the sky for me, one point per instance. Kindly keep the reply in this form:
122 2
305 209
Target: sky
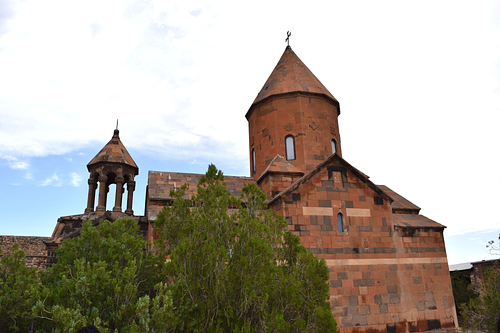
418 83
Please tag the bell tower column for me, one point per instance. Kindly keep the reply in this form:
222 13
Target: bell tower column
101 207
119 192
91 197
130 190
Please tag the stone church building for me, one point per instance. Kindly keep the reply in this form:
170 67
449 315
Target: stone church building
388 266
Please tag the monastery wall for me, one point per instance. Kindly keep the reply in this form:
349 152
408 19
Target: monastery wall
33 247
383 278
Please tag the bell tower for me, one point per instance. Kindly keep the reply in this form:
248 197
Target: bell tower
293 116
112 165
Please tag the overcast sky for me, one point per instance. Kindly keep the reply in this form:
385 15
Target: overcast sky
418 83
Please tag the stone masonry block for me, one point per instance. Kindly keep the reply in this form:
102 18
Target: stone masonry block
335 283
346 321
430 305
352 310
359 320
394 298
364 283
392 289
324 203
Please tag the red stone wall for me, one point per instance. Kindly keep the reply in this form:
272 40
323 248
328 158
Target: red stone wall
312 120
274 183
382 278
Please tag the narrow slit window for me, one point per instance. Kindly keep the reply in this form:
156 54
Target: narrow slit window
334 147
290 147
340 222
254 169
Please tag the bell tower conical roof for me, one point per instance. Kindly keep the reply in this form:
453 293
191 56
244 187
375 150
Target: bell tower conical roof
291 75
115 152
293 116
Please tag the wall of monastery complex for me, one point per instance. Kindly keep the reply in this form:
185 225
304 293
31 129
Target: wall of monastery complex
33 247
386 273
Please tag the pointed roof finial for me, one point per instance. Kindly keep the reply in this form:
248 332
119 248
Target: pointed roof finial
117 132
287 40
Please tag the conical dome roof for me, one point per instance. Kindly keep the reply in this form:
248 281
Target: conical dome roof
291 75
115 152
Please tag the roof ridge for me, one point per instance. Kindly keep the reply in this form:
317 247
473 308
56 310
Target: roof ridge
314 171
268 169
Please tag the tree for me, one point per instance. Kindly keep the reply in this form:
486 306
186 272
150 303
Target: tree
106 277
235 267
17 285
462 291
482 314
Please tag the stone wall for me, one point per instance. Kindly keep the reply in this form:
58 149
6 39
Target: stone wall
33 247
383 278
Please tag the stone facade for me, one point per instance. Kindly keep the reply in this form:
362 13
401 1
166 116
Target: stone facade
388 273
34 248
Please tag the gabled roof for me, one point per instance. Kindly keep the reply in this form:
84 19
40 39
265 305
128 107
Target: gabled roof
280 165
399 201
292 75
160 183
115 152
313 172
414 221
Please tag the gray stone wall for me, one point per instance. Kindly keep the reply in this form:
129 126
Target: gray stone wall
33 247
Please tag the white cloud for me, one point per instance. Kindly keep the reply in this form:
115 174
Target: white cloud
15 163
76 179
52 181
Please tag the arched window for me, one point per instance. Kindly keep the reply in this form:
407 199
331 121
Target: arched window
340 222
254 169
334 146
290 147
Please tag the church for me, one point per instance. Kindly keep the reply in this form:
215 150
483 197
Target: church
388 266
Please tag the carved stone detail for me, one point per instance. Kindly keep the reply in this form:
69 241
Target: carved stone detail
313 126
288 127
265 132
332 130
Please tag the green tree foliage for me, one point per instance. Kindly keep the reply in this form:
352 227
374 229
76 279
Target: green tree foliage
482 314
462 290
106 277
239 270
17 285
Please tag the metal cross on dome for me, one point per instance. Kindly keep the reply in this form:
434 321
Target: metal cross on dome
287 40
